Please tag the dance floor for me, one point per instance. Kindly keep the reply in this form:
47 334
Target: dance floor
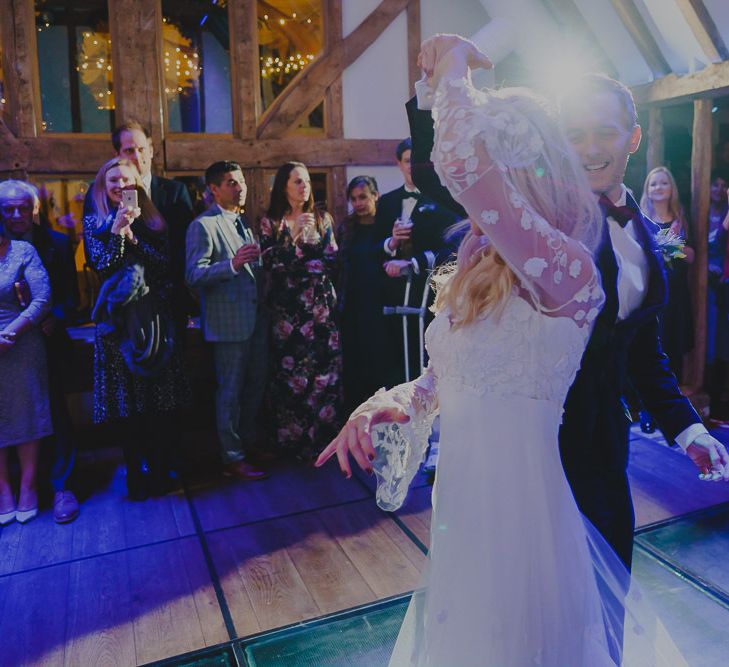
301 569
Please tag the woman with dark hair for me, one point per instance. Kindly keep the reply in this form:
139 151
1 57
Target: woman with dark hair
361 278
299 252
138 374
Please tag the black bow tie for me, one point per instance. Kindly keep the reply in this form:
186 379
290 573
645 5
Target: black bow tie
621 214
411 195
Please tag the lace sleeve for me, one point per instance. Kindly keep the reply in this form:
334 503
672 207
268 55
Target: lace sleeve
477 138
40 290
401 448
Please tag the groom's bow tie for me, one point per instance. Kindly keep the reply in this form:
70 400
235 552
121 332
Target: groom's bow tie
621 214
410 195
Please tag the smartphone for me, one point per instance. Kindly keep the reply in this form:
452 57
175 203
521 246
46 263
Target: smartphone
130 198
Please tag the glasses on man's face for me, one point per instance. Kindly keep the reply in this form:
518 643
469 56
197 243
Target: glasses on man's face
8 210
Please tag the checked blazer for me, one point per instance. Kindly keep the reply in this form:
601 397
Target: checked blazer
228 302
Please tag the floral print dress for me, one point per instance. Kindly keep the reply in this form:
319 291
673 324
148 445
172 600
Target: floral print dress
305 390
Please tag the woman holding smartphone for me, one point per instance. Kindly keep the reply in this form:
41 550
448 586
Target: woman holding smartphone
127 244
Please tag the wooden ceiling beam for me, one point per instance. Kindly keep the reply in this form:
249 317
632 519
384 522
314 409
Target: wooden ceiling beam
704 29
634 23
84 154
712 81
192 153
308 87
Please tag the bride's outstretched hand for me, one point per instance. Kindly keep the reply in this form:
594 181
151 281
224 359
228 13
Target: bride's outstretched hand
441 53
354 439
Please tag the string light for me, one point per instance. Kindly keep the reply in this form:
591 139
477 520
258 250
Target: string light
279 66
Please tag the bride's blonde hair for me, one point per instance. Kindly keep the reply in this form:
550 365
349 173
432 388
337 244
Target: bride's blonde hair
554 185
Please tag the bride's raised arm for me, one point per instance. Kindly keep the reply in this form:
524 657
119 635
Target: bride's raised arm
480 140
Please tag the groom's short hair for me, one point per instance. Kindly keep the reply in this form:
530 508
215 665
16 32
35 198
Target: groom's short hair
593 83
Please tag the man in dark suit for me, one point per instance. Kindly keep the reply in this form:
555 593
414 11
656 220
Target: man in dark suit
133 141
18 205
412 230
600 121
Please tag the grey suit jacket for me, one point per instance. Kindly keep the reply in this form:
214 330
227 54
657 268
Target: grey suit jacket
228 301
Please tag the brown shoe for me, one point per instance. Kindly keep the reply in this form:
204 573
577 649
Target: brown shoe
65 507
244 471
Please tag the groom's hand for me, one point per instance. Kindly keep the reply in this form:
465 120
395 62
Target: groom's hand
710 457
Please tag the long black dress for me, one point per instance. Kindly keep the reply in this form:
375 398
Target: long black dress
363 326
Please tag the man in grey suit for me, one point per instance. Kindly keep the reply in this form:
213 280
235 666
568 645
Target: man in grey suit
223 265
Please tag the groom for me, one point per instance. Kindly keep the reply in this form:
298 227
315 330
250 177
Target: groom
600 121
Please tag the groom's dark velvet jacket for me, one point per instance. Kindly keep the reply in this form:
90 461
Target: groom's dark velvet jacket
594 434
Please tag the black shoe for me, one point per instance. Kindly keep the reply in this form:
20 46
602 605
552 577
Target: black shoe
646 422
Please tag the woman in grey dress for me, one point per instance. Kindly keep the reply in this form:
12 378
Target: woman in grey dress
24 412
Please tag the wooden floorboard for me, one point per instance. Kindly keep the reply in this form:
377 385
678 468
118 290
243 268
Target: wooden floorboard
128 583
259 575
291 488
171 608
358 530
33 622
100 628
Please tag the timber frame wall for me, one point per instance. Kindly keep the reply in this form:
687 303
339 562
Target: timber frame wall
263 141
259 141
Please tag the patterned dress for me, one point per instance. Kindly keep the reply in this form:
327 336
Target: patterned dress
305 390
117 392
24 410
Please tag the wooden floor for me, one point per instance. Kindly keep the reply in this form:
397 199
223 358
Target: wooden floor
128 583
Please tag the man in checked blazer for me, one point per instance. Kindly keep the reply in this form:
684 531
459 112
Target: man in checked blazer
223 265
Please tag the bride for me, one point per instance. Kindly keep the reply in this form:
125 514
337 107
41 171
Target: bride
516 575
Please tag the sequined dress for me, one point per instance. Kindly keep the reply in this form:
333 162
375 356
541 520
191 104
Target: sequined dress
117 392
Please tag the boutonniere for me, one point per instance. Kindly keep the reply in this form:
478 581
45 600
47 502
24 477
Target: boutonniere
426 207
670 245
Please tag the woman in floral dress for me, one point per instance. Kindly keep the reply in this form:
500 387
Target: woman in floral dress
299 252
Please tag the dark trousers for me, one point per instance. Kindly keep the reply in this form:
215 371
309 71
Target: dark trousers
62 444
595 461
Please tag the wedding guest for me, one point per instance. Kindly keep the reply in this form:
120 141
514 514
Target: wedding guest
25 415
223 265
412 230
299 253
132 141
139 381
18 205
363 326
717 307
661 203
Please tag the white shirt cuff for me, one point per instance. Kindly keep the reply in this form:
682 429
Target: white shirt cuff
232 268
392 253
424 94
416 266
688 435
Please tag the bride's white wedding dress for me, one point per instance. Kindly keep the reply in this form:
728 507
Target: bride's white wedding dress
513 568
